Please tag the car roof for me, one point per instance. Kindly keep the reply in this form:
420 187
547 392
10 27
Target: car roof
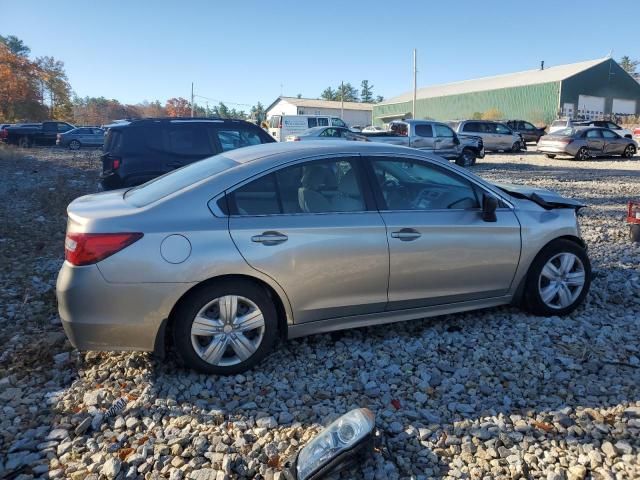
165 120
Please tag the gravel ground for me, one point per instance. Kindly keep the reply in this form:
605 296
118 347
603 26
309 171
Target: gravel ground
490 394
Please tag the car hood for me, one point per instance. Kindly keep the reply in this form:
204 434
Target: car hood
545 198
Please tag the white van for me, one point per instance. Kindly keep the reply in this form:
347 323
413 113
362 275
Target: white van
280 126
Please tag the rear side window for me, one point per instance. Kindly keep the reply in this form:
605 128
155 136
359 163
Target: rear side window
471 127
444 131
424 130
186 139
113 141
323 122
593 134
337 122
312 122
232 139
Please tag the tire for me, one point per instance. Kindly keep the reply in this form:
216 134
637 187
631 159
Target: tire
467 158
629 152
583 154
561 296
74 145
24 142
209 303
549 155
516 147
634 232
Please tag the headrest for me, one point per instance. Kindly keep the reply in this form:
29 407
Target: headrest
349 184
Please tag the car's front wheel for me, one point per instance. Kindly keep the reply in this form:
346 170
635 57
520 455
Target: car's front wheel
549 155
74 145
467 158
558 279
629 151
225 328
516 147
583 154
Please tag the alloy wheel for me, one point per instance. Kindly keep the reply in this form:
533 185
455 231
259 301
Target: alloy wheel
629 151
583 154
74 145
228 330
561 280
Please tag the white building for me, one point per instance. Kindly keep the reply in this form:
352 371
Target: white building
354 113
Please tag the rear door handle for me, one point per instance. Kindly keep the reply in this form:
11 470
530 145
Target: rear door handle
406 234
270 238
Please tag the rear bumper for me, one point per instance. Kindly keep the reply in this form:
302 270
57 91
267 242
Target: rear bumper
97 315
552 149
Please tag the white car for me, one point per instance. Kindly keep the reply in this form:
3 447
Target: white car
623 132
373 129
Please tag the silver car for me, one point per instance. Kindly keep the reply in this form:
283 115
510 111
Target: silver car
583 143
81 137
327 133
282 240
495 136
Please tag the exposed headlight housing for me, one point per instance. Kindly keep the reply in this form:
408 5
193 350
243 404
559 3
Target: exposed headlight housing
335 447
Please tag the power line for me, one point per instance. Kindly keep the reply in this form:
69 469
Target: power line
223 101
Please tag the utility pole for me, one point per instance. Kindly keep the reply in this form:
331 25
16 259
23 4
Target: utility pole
342 100
192 99
415 86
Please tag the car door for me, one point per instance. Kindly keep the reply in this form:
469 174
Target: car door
313 228
97 136
480 129
441 250
614 144
424 137
446 145
504 136
595 142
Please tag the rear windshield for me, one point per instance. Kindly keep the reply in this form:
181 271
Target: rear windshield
566 132
559 123
177 180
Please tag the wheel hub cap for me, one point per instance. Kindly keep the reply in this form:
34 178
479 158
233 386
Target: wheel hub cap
561 280
227 330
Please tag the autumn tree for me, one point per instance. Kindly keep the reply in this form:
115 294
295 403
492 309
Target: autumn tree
178 107
15 45
55 88
19 88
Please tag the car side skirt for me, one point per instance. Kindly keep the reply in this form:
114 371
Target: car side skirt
343 323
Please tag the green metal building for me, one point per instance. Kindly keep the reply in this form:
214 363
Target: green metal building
588 90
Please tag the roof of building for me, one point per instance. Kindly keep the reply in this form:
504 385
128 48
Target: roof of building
518 79
315 103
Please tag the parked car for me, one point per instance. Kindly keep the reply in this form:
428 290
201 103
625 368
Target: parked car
137 151
373 129
495 136
327 133
528 131
623 132
81 137
281 126
561 124
228 254
433 137
586 142
27 135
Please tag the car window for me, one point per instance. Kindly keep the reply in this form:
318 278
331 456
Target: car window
176 138
559 123
232 139
609 134
409 185
613 126
502 129
313 187
98 131
336 122
113 141
63 127
177 180
443 131
312 122
323 122
471 127
527 126
593 134
399 128
330 132
424 130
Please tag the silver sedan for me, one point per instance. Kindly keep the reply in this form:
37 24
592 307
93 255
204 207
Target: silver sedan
583 143
282 240
327 133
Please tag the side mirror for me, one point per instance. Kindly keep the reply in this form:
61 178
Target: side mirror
489 206
456 140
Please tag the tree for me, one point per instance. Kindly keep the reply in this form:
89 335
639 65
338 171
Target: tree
15 45
492 114
629 65
328 94
476 116
299 95
346 92
178 107
366 94
55 88
258 113
20 96
379 99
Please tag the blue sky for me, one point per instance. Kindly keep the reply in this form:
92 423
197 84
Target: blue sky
244 51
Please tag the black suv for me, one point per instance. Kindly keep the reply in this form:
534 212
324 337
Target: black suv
137 151
527 130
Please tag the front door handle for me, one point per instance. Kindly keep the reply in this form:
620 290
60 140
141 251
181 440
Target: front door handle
406 234
270 238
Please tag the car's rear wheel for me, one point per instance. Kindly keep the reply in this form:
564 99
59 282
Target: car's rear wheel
74 145
467 158
516 147
583 154
549 155
225 328
24 142
558 279
629 151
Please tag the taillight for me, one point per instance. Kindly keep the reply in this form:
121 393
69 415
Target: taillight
4 133
87 248
296 139
566 141
115 163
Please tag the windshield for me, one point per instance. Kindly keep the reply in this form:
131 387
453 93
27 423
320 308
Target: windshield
559 123
176 180
566 132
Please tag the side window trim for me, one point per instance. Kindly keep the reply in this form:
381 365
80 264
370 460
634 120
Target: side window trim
356 160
